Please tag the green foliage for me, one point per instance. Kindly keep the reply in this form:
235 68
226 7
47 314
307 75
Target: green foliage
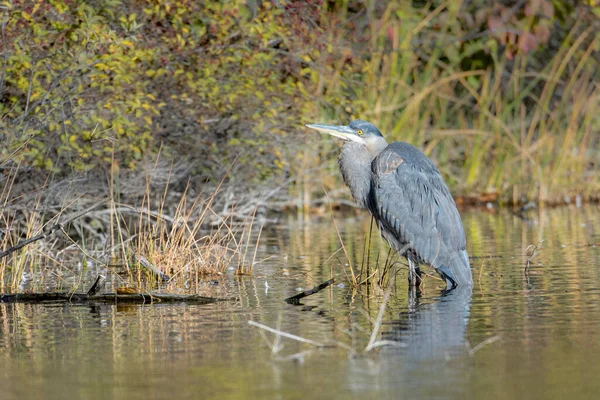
71 92
84 83
492 90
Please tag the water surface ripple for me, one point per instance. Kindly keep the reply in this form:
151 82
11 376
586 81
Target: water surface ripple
521 332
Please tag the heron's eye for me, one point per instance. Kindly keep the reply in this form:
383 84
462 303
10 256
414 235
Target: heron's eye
360 132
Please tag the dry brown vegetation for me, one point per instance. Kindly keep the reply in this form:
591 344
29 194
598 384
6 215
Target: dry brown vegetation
146 246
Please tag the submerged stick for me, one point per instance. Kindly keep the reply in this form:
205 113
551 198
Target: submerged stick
97 285
108 298
372 341
296 298
473 350
285 334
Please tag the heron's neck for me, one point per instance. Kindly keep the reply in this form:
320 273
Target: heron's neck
355 163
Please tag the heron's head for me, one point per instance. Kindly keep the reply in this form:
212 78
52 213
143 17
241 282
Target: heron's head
359 131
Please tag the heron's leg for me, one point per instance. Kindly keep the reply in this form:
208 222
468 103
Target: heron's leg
413 298
411 273
418 276
414 274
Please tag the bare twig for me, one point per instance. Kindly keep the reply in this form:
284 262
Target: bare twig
381 343
534 253
295 299
375 332
277 342
43 235
285 334
482 344
25 242
97 285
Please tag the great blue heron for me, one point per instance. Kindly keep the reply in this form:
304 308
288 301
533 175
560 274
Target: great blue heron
407 196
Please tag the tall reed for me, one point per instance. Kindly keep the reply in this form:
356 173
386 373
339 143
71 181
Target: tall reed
517 128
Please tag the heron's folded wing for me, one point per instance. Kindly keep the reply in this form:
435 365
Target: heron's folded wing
414 204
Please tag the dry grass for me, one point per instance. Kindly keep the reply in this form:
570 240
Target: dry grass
522 131
144 246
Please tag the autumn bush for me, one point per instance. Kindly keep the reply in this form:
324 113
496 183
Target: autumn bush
501 94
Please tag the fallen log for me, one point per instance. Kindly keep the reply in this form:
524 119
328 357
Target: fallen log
296 298
107 298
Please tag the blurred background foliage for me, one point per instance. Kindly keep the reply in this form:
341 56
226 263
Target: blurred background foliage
502 94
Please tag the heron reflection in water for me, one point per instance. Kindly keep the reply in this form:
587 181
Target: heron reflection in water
431 347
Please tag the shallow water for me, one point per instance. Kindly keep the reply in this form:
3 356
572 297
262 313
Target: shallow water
518 334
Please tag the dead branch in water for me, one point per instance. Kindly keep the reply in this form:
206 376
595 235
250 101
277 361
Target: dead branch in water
108 298
285 334
372 341
122 296
25 242
296 298
473 350
97 286
532 254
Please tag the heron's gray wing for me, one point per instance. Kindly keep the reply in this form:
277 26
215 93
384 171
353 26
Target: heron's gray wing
411 201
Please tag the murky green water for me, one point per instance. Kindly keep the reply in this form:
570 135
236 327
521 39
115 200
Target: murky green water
542 327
